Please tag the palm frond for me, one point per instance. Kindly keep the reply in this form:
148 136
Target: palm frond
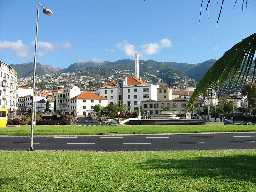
234 68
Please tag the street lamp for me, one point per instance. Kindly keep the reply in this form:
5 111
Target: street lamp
47 12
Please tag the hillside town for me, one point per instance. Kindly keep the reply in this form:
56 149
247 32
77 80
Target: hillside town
138 97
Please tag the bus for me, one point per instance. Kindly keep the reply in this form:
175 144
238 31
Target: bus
3 117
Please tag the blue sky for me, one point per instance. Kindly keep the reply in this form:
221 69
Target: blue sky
82 30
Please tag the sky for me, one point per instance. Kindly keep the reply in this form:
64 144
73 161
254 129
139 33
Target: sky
109 30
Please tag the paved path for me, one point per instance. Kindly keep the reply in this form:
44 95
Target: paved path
135 142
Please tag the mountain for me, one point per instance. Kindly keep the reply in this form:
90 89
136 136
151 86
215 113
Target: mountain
150 69
198 71
26 69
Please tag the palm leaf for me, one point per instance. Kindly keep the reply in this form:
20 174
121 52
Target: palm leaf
233 69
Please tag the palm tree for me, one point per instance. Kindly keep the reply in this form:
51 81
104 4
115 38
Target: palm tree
250 91
233 71
206 3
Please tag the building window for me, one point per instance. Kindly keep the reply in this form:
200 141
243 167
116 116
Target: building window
160 90
135 96
164 90
92 101
84 101
84 107
112 97
145 89
135 90
129 96
146 96
135 102
145 105
112 91
129 90
106 91
151 106
128 103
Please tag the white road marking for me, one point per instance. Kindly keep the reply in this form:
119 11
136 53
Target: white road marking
242 136
111 137
65 137
36 143
252 141
80 143
157 137
136 143
201 142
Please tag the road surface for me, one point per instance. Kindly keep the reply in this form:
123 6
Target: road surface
134 142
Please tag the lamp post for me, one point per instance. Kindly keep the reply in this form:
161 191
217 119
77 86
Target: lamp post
47 12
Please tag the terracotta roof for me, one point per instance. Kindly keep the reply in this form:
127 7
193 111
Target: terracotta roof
86 95
45 93
131 81
110 84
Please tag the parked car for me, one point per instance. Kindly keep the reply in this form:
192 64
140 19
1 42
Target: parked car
111 122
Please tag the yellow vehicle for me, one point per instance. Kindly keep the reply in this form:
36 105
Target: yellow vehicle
3 117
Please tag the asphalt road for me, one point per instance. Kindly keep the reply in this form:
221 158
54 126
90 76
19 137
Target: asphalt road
134 142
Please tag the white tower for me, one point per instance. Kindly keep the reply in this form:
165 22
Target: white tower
137 65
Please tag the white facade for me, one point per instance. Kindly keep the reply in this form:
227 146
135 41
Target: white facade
83 105
22 92
25 104
109 93
63 99
8 87
130 92
164 92
176 106
133 96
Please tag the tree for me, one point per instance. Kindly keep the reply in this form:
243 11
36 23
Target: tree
234 70
250 91
206 3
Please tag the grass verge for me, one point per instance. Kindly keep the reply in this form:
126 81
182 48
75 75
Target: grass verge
189 171
140 129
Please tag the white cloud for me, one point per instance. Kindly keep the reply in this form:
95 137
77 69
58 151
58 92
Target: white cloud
46 47
23 50
128 48
67 45
18 47
153 48
148 48
165 43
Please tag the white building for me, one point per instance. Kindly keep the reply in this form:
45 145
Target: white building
83 104
164 92
63 99
129 91
135 91
8 87
25 104
109 91
22 91
176 106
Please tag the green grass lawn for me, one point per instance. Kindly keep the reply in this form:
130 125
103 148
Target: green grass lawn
187 171
132 129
